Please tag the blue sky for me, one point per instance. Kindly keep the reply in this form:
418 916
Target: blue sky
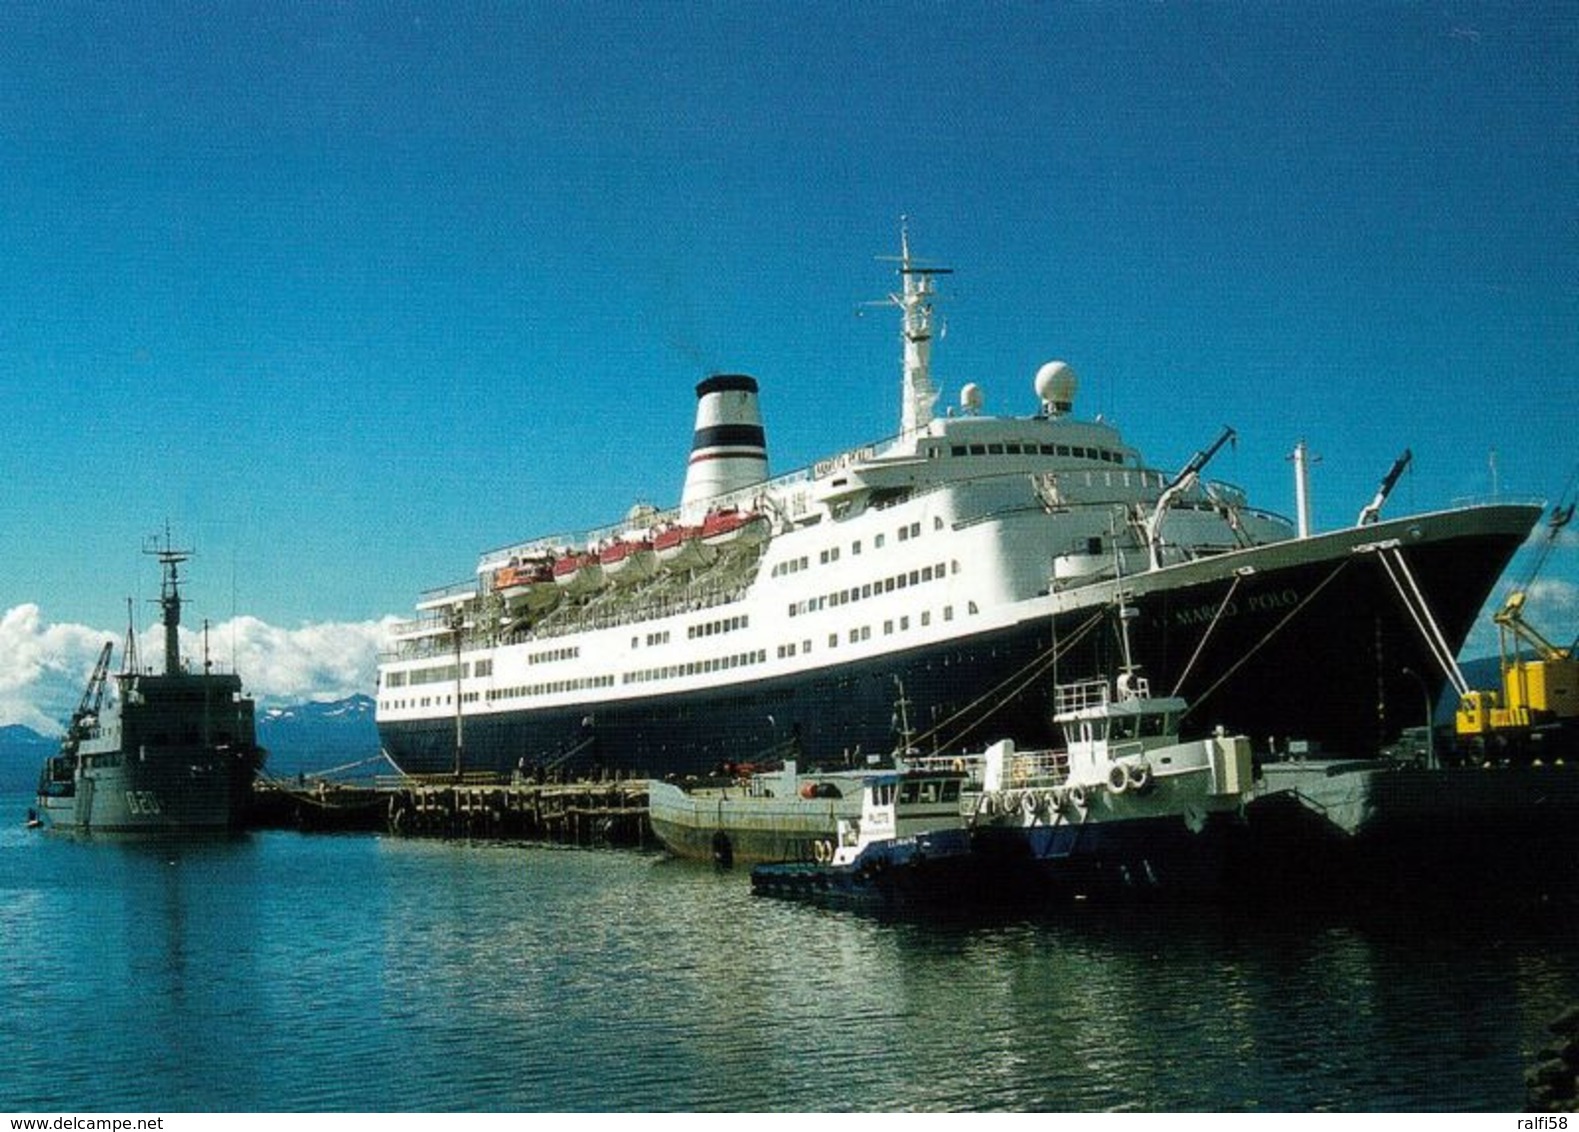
347 293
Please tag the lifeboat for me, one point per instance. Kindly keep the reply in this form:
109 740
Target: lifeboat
729 528
681 548
578 572
628 560
529 583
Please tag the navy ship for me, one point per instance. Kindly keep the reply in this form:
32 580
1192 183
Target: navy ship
969 557
146 753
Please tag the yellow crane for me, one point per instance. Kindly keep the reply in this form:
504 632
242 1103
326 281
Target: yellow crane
1540 680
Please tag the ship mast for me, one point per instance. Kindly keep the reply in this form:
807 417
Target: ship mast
170 601
915 305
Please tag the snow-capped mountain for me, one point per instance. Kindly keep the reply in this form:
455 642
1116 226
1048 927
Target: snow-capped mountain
317 735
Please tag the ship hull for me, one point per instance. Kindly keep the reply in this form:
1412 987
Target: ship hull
1387 836
1304 639
730 824
176 791
1138 858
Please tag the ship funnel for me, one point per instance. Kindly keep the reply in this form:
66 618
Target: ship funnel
728 451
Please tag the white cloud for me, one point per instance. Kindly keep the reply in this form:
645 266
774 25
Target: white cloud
1551 604
1551 608
39 664
44 667
326 661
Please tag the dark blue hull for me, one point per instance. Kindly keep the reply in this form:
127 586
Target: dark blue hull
927 868
1157 858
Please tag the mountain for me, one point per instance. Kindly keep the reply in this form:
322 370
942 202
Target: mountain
318 735
22 752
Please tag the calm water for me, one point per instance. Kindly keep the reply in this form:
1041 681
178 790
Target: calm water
287 972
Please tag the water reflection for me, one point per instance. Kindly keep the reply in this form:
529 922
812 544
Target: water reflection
284 972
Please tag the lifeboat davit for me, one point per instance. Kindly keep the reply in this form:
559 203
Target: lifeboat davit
628 560
578 572
681 548
729 528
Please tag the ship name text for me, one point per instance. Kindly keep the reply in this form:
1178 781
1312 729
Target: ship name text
843 460
1272 601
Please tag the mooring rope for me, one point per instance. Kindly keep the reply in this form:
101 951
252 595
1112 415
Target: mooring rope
1031 671
1206 636
1197 701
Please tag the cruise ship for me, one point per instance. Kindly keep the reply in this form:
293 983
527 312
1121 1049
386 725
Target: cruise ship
961 567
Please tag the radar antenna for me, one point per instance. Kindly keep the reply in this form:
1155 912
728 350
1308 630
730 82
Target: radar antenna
170 560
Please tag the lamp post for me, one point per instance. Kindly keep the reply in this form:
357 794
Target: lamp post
1430 728
457 624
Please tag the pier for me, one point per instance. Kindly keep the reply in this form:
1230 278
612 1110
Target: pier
477 806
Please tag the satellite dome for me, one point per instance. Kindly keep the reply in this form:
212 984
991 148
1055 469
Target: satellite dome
1055 385
970 398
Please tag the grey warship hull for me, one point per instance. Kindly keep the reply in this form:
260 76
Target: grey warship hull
147 753
202 790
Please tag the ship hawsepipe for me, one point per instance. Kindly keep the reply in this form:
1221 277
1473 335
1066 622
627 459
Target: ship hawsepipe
1305 639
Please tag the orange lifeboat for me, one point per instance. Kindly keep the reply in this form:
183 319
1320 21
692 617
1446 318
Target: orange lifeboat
529 583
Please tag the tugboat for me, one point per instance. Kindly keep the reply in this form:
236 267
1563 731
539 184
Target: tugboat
910 843
145 753
1127 809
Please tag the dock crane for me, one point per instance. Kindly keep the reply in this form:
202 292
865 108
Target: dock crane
1187 478
1372 511
1538 703
86 717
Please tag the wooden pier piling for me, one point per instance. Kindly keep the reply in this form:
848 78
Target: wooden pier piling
605 812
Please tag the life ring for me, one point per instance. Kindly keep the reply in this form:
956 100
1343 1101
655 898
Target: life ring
821 851
1139 775
1118 779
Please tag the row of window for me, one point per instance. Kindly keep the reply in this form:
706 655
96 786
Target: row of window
696 667
548 656
1076 451
830 555
440 674
870 589
713 628
552 687
864 632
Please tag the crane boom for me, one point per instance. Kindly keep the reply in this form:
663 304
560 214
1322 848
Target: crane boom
86 717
